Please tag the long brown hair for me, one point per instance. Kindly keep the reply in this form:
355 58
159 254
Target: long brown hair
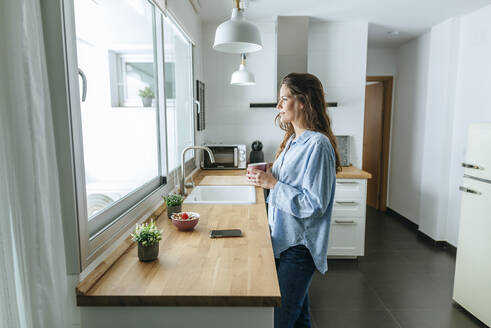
307 88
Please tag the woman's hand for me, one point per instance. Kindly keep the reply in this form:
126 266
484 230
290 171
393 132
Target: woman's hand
262 179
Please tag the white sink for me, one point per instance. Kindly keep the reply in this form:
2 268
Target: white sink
222 195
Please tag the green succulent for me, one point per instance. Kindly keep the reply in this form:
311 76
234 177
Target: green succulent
147 234
173 200
146 92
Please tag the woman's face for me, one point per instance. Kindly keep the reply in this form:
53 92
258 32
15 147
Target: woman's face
288 106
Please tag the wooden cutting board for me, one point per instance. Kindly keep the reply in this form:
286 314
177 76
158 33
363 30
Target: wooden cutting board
231 180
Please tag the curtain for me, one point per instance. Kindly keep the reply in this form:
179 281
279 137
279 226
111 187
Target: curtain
33 279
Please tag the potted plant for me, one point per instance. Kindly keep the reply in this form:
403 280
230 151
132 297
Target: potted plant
147 236
147 96
174 202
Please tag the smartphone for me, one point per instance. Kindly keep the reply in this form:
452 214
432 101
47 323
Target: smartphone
225 233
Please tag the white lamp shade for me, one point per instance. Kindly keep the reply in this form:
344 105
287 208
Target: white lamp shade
242 77
237 35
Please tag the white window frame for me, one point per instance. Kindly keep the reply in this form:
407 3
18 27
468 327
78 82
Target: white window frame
190 163
60 38
101 232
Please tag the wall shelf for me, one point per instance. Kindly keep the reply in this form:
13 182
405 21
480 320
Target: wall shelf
273 105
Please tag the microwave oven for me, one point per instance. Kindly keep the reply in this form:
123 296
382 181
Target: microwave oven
226 157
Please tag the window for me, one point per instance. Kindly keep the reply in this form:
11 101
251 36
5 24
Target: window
120 145
131 74
178 93
135 66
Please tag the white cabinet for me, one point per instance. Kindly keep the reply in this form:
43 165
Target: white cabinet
478 152
347 235
472 288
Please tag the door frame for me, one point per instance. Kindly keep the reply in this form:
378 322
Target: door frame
388 82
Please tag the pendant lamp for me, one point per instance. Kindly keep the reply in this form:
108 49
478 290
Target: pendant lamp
242 76
237 35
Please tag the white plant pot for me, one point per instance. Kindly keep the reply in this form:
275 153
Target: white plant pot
147 101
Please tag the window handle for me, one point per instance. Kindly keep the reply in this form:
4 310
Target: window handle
84 84
199 106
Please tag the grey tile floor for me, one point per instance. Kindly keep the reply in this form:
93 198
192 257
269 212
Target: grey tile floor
401 282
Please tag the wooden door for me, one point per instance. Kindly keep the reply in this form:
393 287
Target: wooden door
372 140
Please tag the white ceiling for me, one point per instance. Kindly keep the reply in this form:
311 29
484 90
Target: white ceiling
410 17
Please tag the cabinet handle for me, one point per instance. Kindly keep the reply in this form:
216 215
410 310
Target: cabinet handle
346 182
345 221
351 203
469 190
472 166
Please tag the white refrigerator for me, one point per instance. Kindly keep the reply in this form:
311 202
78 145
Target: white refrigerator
472 284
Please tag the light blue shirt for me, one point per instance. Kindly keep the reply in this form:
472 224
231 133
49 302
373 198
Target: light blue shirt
300 204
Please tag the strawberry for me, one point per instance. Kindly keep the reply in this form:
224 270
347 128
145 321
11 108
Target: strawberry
185 216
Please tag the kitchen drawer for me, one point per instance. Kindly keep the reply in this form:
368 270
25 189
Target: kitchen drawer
347 236
348 208
350 189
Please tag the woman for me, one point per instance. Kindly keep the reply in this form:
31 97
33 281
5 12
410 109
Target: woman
302 185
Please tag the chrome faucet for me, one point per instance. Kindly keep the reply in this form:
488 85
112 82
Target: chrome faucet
183 177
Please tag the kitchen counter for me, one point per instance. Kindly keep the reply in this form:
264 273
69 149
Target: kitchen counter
237 177
193 269
351 172
196 281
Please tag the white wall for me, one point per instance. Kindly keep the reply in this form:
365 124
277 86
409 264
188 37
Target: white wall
444 83
408 122
338 56
381 62
228 116
472 102
440 103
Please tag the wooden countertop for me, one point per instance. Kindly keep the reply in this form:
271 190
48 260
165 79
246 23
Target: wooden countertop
193 269
351 172
237 177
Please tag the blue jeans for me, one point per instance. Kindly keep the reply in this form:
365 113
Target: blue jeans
295 268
